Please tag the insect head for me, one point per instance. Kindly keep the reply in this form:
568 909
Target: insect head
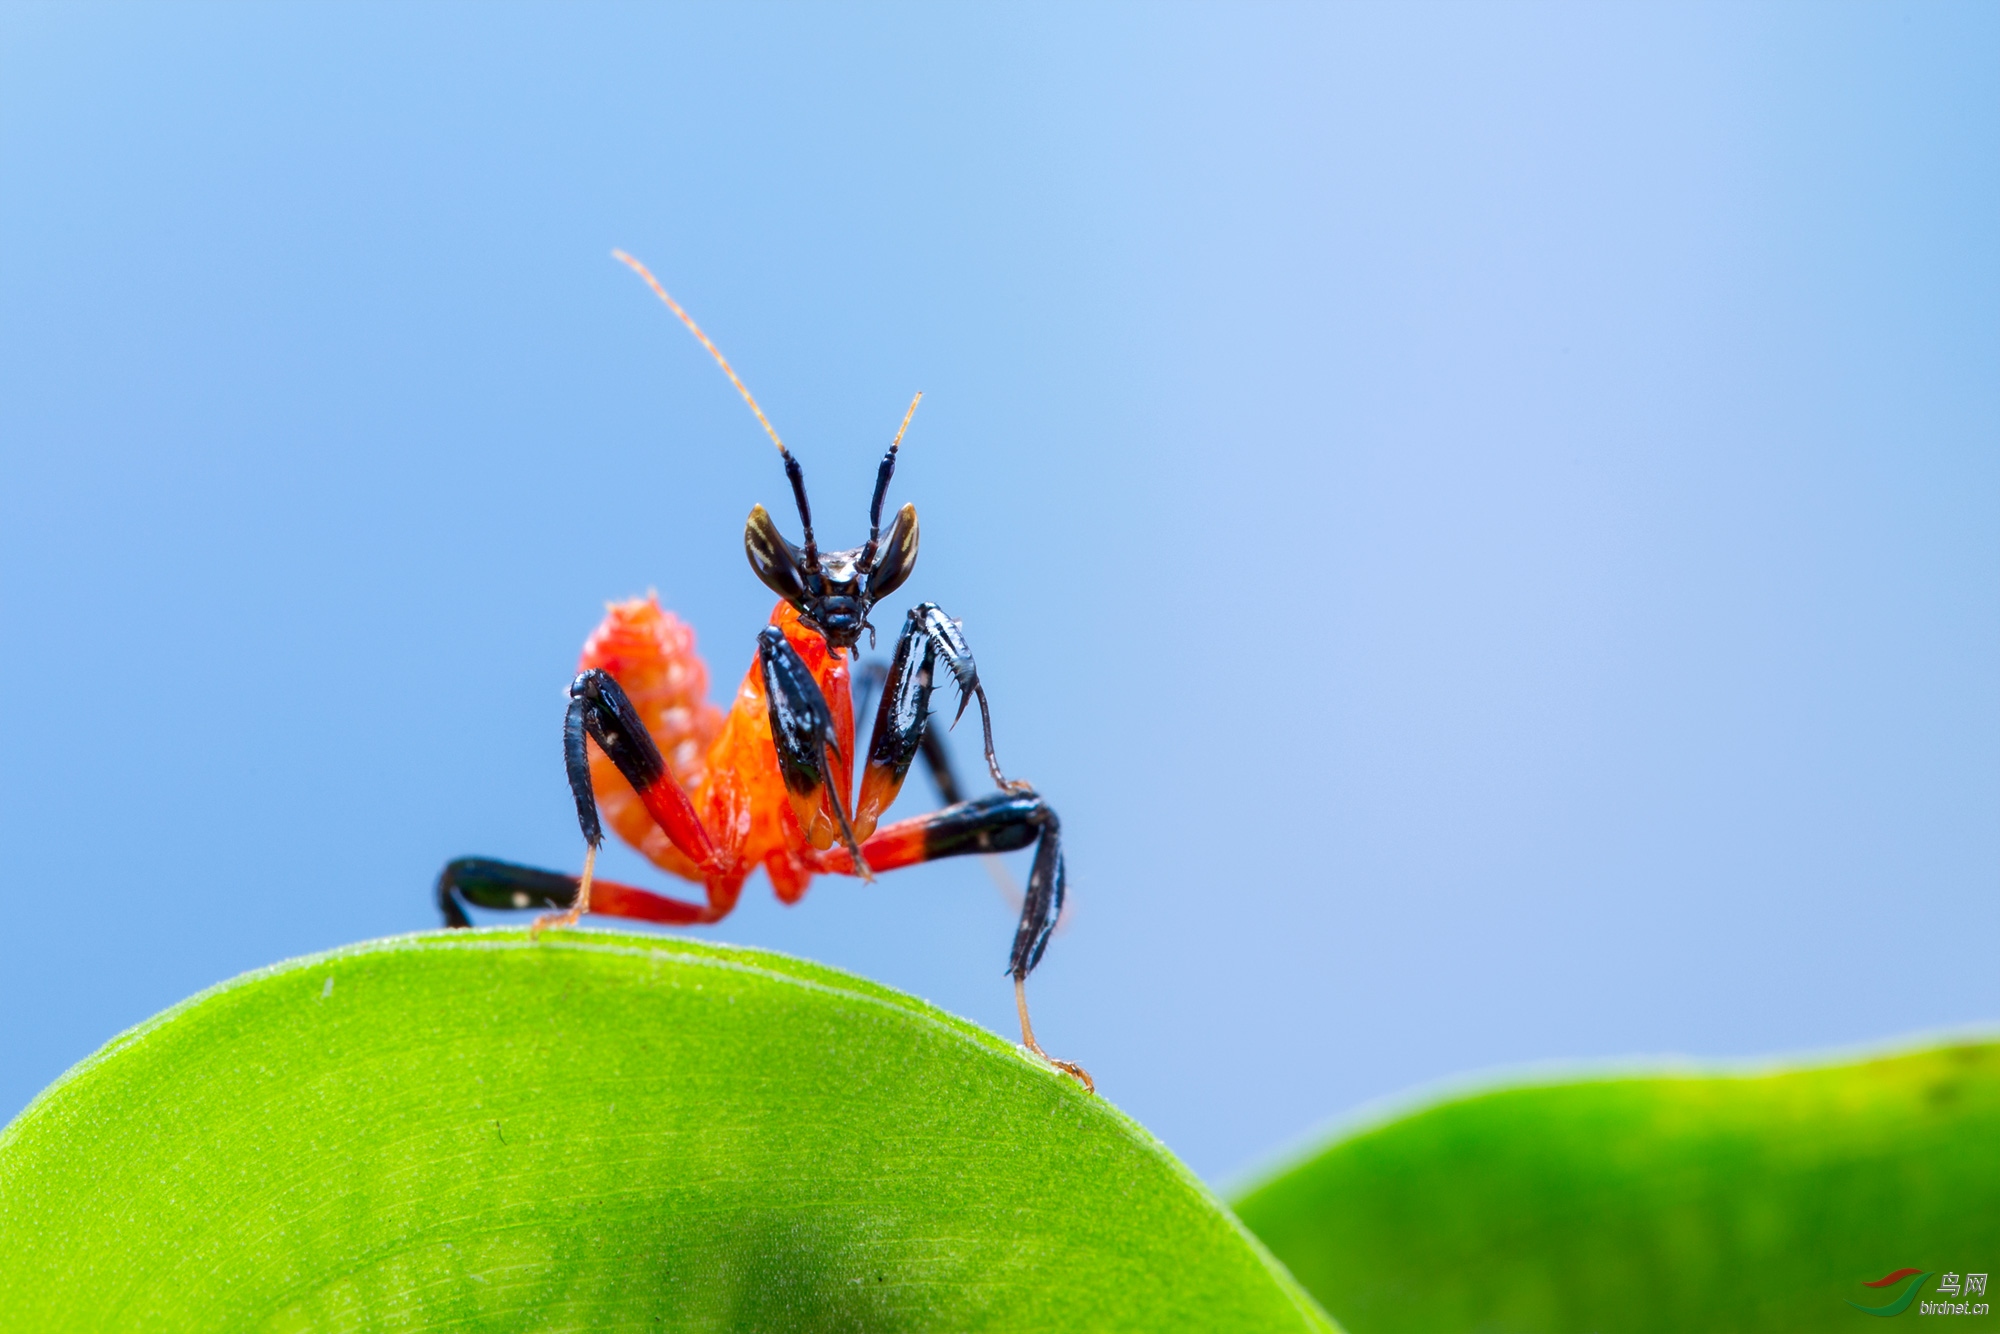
834 590
831 590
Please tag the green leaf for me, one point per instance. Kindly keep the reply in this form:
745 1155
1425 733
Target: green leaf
1673 1202
597 1131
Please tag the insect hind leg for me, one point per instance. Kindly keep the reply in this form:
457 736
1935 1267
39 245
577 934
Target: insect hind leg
487 883
483 882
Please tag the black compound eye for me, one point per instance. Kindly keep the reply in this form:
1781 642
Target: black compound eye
779 564
896 556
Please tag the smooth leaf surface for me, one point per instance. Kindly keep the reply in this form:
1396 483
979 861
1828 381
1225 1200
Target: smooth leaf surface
597 1131
1673 1202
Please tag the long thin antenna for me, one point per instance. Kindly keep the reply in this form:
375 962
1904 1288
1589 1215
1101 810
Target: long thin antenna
792 471
893 444
882 476
713 350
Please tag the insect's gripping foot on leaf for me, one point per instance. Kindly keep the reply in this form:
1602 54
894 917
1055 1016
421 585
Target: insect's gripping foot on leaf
1070 1068
1041 907
1074 1071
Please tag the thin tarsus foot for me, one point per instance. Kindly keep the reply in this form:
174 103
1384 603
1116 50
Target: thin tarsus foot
1070 1068
557 920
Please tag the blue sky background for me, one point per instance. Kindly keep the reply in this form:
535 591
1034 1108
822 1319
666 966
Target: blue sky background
1481 518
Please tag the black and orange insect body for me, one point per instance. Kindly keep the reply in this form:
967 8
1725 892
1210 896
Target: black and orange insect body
710 795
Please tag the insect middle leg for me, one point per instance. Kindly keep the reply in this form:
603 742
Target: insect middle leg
1011 818
996 822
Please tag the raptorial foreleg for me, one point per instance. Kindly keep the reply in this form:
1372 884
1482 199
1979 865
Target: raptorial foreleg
948 642
902 728
888 758
807 742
